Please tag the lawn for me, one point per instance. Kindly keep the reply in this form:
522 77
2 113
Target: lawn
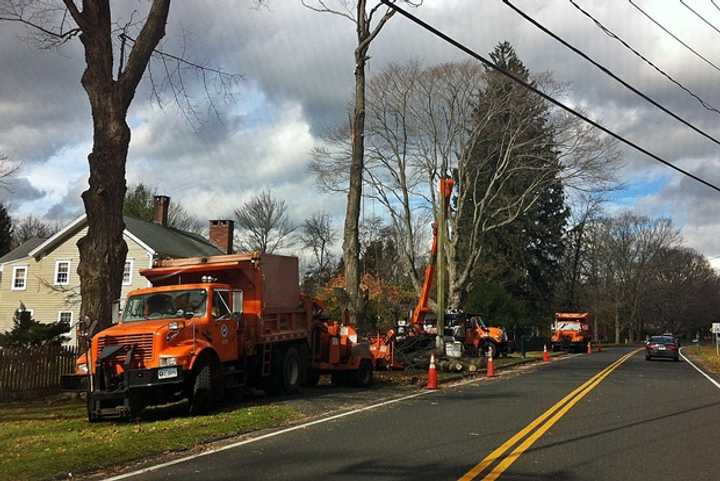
40 440
706 355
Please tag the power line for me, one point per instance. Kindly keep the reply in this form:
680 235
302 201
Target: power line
700 16
607 71
715 5
695 52
615 36
542 94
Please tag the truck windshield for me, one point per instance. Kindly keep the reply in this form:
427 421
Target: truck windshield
163 305
568 326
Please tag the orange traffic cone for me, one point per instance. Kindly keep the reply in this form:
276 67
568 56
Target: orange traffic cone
432 382
546 355
490 364
589 351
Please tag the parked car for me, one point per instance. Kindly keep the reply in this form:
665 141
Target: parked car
662 346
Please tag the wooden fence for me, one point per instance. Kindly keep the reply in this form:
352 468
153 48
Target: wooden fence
36 371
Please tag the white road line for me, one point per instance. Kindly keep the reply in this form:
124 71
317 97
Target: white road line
295 428
265 436
717 385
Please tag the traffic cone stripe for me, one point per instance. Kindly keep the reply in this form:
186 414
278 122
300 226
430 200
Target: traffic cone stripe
490 364
432 382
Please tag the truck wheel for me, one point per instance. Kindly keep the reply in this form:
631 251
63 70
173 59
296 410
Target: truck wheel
291 371
363 377
202 390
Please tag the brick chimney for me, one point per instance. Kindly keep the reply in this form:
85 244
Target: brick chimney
161 206
221 235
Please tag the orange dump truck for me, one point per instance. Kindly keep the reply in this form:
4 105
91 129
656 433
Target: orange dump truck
570 331
208 324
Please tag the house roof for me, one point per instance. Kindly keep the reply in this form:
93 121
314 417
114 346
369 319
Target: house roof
158 240
23 250
170 242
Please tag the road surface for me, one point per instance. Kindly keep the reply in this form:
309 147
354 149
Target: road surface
604 416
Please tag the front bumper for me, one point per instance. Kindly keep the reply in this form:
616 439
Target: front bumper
136 389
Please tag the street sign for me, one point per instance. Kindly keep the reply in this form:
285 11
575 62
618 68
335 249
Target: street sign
715 329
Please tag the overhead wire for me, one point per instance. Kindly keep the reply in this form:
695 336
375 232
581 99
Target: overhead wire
677 39
715 5
543 95
706 21
615 36
608 72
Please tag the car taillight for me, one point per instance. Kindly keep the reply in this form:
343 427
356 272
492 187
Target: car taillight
672 347
652 346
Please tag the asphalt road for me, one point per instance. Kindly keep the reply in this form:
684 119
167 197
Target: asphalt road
642 420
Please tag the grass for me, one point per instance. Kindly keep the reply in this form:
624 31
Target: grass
41 441
705 355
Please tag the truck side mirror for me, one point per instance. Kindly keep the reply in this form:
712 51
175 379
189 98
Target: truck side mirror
116 311
237 302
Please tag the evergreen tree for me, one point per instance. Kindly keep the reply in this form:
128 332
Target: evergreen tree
27 332
6 231
523 256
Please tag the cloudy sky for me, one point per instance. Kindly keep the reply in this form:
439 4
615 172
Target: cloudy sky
297 72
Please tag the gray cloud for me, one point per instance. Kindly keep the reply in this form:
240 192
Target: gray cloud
298 70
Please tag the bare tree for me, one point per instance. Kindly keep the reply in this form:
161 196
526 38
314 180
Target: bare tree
426 122
264 224
368 21
54 23
318 235
30 227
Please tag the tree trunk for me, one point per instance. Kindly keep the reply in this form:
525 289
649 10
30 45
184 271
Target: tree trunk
103 249
617 324
351 242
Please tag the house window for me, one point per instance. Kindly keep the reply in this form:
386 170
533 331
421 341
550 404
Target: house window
65 316
127 273
19 281
62 273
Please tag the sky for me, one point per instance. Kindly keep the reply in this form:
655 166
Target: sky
297 82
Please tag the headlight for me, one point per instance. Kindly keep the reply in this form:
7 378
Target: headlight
168 361
83 368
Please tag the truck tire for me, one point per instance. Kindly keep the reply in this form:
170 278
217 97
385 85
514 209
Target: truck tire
363 376
206 387
291 371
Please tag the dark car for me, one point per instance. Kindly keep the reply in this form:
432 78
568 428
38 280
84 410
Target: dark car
662 346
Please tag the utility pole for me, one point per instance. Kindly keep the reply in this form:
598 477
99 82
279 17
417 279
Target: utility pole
440 339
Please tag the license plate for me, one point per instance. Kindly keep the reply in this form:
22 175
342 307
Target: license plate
661 348
167 372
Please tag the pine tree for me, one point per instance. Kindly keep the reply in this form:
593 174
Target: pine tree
6 231
27 332
522 257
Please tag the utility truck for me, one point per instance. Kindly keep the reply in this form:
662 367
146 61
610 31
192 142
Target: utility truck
570 331
208 324
419 331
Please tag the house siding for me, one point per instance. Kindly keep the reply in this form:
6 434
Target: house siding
48 300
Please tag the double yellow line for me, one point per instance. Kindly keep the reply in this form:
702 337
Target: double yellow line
552 416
